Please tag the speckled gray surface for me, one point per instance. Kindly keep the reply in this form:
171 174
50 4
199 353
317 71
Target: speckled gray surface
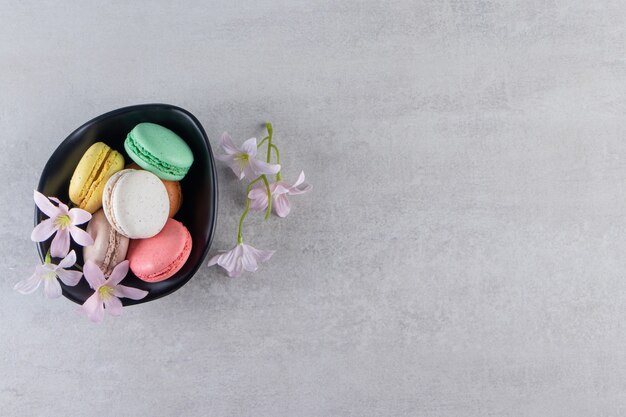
463 250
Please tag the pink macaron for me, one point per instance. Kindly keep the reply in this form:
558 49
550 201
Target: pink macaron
161 256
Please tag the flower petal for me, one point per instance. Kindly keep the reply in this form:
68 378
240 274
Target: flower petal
79 216
248 170
227 144
281 188
29 285
69 278
213 260
129 292
296 189
229 260
60 244
258 198
45 205
43 231
93 307
261 255
63 209
249 147
248 260
80 236
300 179
233 163
304 188
68 261
237 270
118 274
52 288
93 275
281 206
225 158
261 167
113 306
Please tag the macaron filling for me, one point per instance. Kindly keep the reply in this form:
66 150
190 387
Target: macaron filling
95 169
110 261
105 160
109 209
150 161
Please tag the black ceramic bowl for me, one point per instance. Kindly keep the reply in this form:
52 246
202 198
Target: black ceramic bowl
199 208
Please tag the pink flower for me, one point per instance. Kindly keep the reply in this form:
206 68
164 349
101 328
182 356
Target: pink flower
107 291
241 257
243 161
280 190
62 221
48 273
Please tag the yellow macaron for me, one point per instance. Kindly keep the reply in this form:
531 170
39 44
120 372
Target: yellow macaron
91 174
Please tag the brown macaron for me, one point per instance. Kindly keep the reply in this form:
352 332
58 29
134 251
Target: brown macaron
109 247
174 192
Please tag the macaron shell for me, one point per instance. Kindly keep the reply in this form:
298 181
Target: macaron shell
95 167
160 257
159 150
136 203
109 248
174 191
175 195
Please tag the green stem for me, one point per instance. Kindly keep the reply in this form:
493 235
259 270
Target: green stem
270 135
48 258
268 210
278 176
270 132
262 141
270 145
245 211
77 266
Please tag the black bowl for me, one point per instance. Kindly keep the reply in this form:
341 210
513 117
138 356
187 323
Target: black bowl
199 208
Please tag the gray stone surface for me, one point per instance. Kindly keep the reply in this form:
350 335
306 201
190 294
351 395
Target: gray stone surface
462 253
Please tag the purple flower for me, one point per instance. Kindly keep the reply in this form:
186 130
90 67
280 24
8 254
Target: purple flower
48 274
107 292
62 221
241 257
280 190
243 161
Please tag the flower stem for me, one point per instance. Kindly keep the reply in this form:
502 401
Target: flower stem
262 141
268 210
270 145
278 176
245 211
48 259
270 133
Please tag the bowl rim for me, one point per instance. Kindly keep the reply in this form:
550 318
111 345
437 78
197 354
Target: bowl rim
214 192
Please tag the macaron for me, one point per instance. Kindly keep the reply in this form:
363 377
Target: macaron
174 192
109 247
135 203
161 256
159 150
94 169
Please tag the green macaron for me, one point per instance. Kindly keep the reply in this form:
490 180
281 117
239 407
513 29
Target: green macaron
159 150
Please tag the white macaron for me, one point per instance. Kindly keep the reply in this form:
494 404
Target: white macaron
136 203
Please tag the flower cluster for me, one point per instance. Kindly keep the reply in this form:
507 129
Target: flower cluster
63 222
260 195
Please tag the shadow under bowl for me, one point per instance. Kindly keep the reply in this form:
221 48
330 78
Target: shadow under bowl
199 208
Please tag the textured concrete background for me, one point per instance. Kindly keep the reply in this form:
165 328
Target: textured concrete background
463 251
